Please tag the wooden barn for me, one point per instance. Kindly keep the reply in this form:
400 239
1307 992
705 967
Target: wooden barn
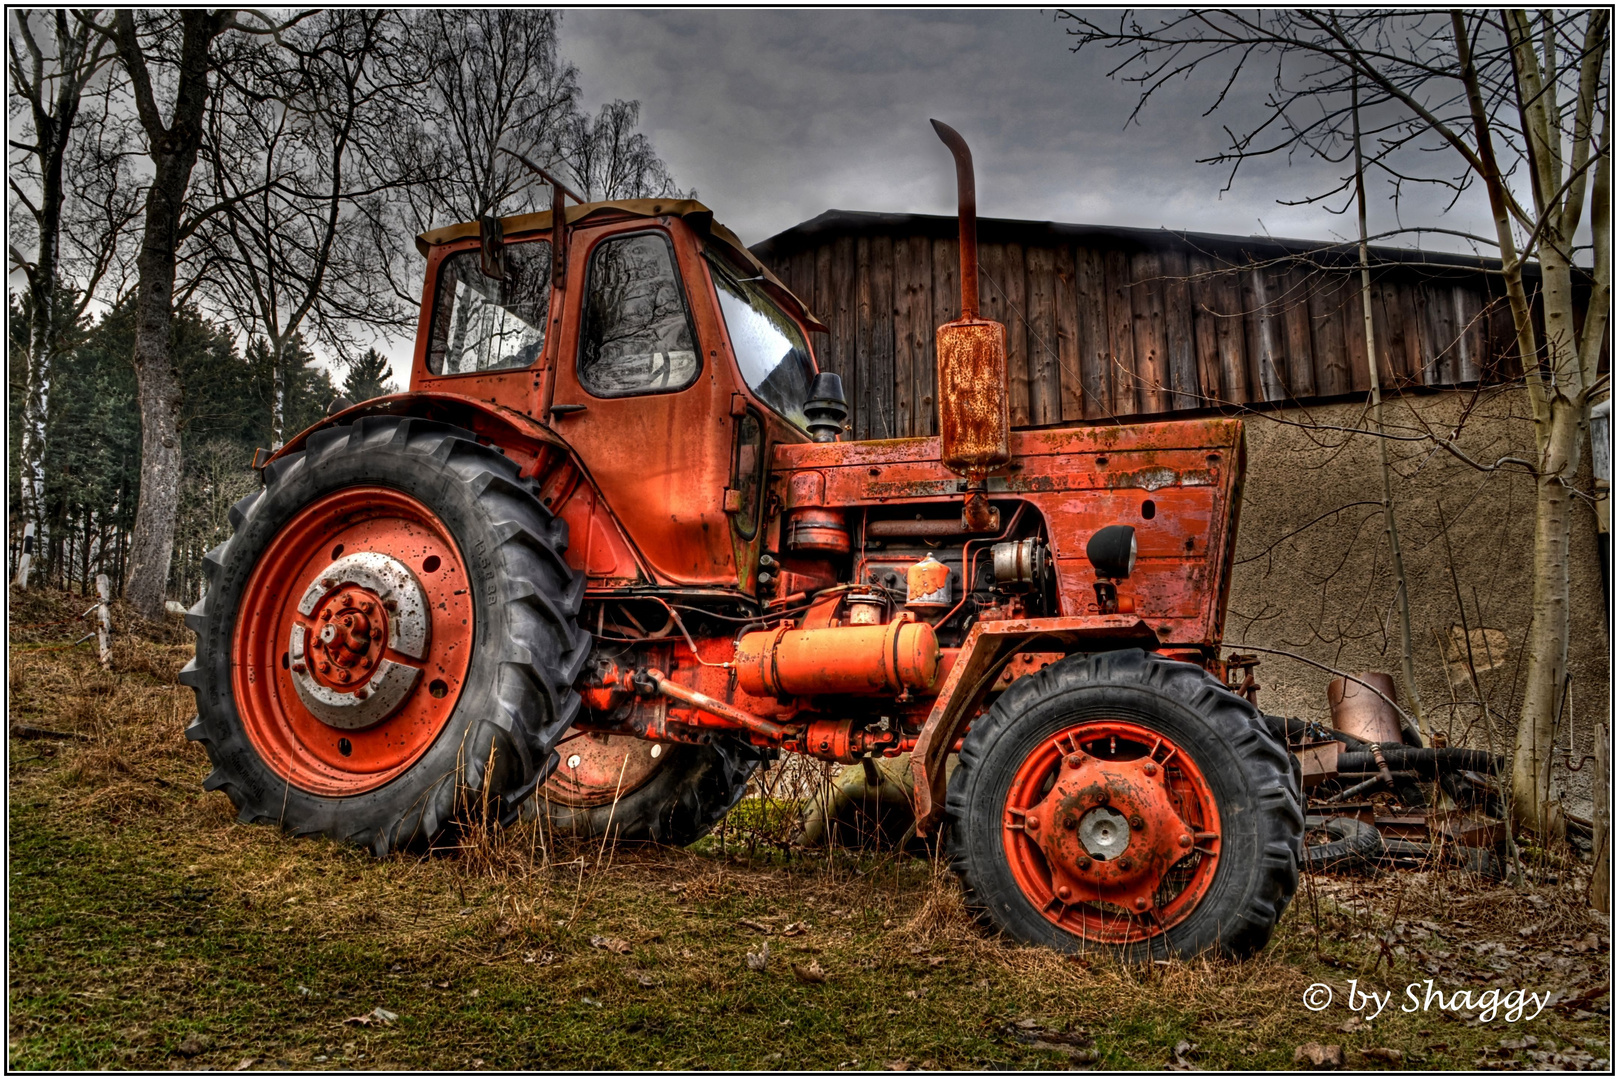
1113 322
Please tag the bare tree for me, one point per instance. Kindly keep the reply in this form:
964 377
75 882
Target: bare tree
50 78
294 150
1511 102
609 159
165 55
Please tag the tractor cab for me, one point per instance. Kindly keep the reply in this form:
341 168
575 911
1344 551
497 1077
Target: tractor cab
652 342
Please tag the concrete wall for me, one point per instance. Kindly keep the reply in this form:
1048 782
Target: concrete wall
1313 577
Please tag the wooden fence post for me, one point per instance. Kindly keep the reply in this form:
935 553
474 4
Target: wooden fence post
1601 822
104 620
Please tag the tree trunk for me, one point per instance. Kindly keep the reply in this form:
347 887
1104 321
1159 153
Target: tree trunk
173 149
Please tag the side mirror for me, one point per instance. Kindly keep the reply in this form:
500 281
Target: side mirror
826 409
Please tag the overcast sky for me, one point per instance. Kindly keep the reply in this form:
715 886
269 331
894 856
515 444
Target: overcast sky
777 115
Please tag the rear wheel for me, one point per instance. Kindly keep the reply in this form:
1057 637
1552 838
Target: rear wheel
387 639
637 790
1126 802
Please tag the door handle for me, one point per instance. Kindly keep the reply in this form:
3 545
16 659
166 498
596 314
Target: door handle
566 410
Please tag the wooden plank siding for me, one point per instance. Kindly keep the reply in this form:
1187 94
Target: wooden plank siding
1104 323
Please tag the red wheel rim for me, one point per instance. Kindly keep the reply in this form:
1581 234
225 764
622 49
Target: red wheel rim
1111 831
597 767
353 641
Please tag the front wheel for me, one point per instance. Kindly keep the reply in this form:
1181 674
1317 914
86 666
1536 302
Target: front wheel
1127 802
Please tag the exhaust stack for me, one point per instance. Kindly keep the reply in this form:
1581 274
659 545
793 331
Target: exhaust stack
974 422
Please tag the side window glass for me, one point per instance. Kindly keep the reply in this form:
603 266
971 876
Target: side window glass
747 473
636 336
486 324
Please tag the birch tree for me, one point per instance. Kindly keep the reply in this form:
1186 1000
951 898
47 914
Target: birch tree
53 57
1510 102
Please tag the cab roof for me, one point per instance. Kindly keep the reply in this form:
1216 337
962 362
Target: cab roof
694 213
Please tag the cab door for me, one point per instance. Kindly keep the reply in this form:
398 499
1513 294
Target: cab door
644 395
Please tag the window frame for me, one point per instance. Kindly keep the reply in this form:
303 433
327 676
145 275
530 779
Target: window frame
433 315
759 470
686 307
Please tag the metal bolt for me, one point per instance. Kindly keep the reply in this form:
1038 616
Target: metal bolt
1074 761
1032 822
1125 863
325 668
390 605
1141 903
1064 891
1185 841
1136 822
1084 863
343 676
299 668
347 620
367 663
1103 799
1150 769
362 693
345 599
368 607
328 583
326 616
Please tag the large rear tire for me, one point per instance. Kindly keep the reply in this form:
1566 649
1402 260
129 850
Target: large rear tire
388 640
1126 802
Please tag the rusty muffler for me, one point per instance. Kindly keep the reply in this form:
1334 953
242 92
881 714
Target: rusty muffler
974 421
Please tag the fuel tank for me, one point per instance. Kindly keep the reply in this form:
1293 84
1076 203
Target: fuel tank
893 658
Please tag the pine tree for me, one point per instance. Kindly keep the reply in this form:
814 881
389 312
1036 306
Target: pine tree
368 378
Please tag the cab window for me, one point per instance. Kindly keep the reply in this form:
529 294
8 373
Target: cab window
636 336
769 347
485 324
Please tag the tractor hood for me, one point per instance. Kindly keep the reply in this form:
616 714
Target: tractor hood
695 214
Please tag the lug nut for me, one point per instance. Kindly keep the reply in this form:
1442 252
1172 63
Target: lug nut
368 607
1126 864
1084 863
1136 822
299 668
1032 822
345 599
1185 841
1150 769
326 616
362 693
325 668
1064 891
343 676
367 662
1141 903
1074 761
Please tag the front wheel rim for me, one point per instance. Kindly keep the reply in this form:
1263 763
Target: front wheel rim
1111 831
353 641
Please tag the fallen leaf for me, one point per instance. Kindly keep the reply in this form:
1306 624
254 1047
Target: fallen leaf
245 1063
935 961
751 925
811 973
1350 1026
1383 1054
646 980
898 1066
193 1045
1318 1056
611 944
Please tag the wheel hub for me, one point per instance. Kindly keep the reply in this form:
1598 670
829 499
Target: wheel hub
357 609
1108 830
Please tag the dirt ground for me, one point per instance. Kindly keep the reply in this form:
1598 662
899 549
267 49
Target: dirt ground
150 930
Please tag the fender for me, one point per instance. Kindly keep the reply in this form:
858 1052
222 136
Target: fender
599 546
988 648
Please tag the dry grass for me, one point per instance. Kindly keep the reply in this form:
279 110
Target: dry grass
143 916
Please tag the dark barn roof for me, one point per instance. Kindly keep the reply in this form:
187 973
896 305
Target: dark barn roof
1106 321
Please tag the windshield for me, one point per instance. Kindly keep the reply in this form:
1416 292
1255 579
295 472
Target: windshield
770 348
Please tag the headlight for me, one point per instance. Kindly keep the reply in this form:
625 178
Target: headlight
1112 551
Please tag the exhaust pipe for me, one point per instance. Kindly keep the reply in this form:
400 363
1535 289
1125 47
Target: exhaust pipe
974 421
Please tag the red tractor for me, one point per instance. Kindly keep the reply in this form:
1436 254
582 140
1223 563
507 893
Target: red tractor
612 551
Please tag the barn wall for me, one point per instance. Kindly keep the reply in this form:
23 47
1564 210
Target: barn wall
1118 326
